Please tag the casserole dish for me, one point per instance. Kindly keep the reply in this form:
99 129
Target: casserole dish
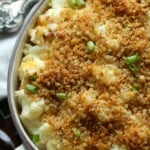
12 74
83 76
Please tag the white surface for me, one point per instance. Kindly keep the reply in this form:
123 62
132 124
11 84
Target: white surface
7 43
21 147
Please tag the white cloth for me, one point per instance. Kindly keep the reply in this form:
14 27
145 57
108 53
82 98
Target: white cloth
7 42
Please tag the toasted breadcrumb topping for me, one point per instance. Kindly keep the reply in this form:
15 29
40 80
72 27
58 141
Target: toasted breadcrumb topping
107 103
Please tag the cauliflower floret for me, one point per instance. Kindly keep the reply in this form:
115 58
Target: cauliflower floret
30 109
37 35
113 43
51 17
127 95
55 144
117 147
105 31
52 26
45 132
30 65
54 14
106 74
32 126
101 29
88 96
104 111
48 137
36 109
59 3
33 50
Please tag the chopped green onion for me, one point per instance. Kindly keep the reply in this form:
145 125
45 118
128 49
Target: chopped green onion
131 60
61 96
80 3
76 3
133 67
35 138
72 3
31 88
32 78
135 87
77 132
90 46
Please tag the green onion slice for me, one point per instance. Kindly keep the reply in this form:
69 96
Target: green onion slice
32 78
61 96
132 59
72 3
90 46
80 3
135 87
131 62
77 132
31 88
76 3
133 67
35 138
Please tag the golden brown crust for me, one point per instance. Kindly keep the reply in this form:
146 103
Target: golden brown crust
101 104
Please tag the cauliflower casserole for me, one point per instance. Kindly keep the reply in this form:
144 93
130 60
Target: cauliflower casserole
85 76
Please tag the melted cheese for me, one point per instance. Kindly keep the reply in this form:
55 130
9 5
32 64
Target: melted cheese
107 74
30 65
